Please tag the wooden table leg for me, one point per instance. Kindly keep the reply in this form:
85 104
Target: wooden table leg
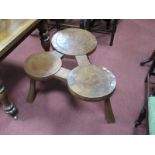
8 106
44 35
32 91
108 111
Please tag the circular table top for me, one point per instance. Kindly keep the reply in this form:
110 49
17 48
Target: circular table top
42 65
91 82
74 41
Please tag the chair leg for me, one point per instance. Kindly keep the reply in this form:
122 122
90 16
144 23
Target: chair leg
149 59
8 106
85 24
108 22
108 111
143 111
151 69
32 91
114 27
44 35
141 117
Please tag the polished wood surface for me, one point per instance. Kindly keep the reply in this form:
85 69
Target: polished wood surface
82 60
44 34
8 106
62 74
74 42
42 65
11 31
86 81
60 55
91 82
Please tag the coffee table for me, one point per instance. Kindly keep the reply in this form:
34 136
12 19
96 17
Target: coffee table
86 81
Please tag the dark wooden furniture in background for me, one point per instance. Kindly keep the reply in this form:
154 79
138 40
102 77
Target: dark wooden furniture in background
151 58
86 81
149 89
104 26
12 33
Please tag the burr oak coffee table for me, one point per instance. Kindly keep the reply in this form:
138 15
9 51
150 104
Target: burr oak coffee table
86 81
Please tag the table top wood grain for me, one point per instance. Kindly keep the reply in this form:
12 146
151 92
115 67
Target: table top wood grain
74 42
42 65
91 82
12 30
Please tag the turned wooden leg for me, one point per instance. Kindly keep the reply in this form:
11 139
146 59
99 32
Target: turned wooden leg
8 106
32 91
44 35
108 111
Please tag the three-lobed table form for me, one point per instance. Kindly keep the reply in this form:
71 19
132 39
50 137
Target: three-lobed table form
86 81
